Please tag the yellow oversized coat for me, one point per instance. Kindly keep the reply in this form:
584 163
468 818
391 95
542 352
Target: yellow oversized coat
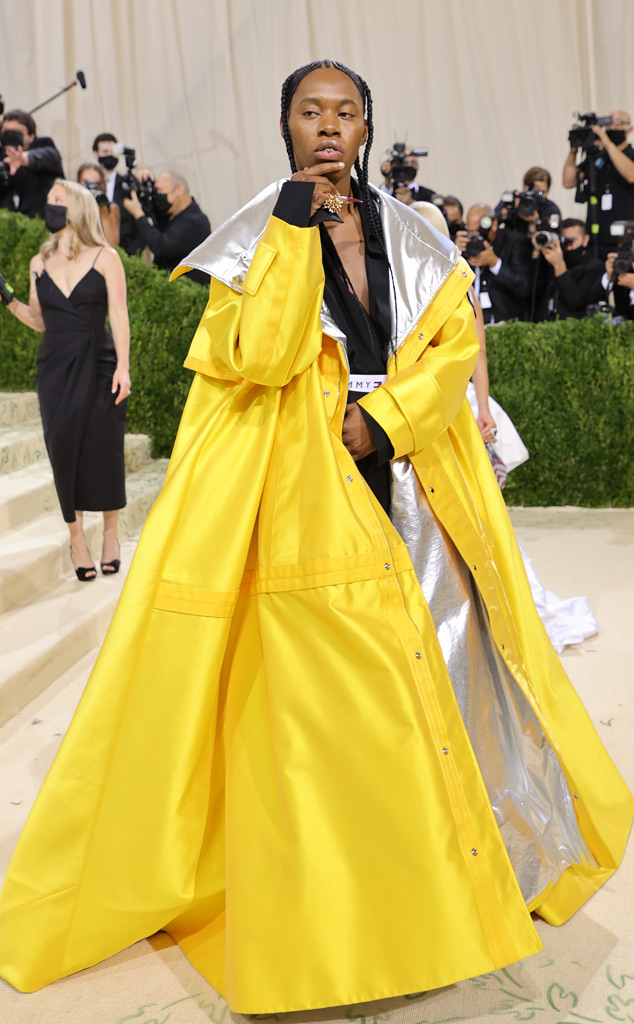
269 761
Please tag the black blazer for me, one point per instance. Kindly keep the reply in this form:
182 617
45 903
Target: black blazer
31 185
570 293
176 238
509 289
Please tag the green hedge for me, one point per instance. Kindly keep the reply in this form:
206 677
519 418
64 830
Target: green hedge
569 389
163 318
568 386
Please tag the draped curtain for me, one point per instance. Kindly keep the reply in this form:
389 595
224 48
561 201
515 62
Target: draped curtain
194 85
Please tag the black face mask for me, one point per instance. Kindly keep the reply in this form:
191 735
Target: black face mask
55 217
573 257
109 162
616 135
161 202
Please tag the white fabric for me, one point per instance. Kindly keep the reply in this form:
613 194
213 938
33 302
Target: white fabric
508 443
567 620
366 382
111 182
490 88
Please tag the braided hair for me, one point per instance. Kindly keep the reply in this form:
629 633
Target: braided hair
288 91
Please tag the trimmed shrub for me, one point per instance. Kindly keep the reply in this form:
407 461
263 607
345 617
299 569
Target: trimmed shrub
568 386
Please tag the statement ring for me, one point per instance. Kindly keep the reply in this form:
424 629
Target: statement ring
334 202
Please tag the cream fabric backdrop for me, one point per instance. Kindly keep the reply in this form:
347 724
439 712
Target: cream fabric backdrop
194 85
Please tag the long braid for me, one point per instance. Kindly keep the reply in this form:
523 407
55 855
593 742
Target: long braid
288 91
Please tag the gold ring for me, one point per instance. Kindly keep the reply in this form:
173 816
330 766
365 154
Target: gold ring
334 203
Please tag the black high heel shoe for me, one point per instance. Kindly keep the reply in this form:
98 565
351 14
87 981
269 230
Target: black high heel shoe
81 573
112 568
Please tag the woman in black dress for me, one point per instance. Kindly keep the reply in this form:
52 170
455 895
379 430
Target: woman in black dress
82 370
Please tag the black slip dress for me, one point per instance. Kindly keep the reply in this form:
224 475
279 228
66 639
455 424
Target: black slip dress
83 428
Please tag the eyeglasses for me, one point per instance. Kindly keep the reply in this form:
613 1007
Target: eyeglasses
619 121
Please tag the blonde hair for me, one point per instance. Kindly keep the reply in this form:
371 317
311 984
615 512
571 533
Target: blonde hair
431 213
83 217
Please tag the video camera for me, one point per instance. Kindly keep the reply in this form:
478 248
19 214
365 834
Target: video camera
130 183
624 262
401 173
582 137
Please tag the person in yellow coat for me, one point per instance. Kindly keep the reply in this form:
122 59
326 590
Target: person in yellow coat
327 744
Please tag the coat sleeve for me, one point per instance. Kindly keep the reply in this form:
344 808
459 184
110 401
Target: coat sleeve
272 331
577 293
416 405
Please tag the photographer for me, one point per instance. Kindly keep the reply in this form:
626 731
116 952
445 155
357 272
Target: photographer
93 177
501 260
572 279
606 172
180 223
29 165
619 273
453 210
103 152
523 210
399 171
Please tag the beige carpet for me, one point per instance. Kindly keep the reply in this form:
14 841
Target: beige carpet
586 972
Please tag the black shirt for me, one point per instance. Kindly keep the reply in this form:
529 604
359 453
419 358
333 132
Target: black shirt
367 332
27 189
176 238
608 182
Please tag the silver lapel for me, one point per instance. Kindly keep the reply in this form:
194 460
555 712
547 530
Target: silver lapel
421 258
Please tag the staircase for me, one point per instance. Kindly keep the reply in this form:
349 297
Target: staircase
50 623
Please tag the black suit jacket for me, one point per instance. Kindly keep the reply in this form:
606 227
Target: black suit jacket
129 238
176 238
509 289
570 293
31 185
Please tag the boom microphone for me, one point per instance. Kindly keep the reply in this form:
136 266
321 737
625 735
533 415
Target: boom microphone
79 79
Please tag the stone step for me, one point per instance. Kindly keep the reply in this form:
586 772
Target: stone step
26 494
49 637
30 492
28 744
35 555
23 446
18 408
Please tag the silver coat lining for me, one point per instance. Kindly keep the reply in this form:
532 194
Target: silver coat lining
529 794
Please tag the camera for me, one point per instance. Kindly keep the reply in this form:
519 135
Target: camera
528 202
624 262
401 173
546 237
97 192
9 137
582 137
130 183
475 245
531 201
